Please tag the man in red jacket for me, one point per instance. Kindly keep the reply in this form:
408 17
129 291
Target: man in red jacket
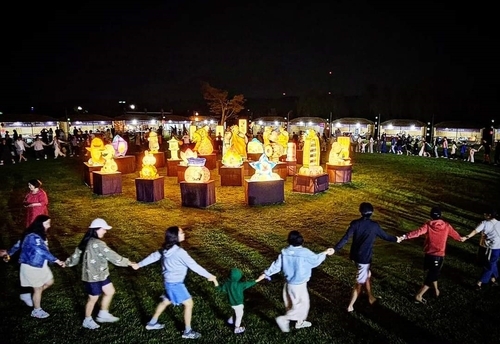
437 231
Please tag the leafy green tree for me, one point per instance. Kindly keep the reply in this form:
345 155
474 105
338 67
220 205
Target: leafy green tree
219 104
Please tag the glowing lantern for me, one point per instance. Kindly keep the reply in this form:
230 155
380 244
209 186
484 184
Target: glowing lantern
264 169
95 149
311 155
232 158
339 153
238 141
148 170
203 144
255 147
173 147
154 146
291 152
186 155
108 154
120 146
196 171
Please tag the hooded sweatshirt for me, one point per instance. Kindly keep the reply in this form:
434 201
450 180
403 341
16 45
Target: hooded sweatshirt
437 231
234 287
174 263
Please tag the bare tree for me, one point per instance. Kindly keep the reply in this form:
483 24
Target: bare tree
219 103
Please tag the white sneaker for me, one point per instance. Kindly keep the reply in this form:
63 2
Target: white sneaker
39 313
283 324
303 324
26 298
230 321
239 330
107 318
90 324
156 326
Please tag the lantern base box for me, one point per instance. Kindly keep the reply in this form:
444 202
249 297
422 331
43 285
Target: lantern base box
300 157
281 169
107 183
231 176
197 195
172 168
264 192
211 162
150 190
180 173
126 164
339 174
248 170
310 184
254 156
291 167
87 173
160 159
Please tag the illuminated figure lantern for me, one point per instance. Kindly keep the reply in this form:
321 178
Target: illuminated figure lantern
173 147
186 155
239 141
255 147
203 143
282 138
148 170
232 158
291 152
120 146
264 169
108 154
196 171
311 155
95 150
154 146
339 153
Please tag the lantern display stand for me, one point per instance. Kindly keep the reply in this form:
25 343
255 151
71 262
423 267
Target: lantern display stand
197 195
231 176
180 173
254 156
87 173
264 192
248 170
160 159
291 167
339 174
107 183
126 164
211 160
310 184
172 167
150 190
281 169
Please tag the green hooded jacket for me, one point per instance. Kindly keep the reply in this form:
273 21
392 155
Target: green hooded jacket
234 288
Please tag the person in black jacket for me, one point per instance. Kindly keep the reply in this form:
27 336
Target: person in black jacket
364 232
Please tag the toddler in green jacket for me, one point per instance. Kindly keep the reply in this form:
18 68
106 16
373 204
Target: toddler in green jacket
234 289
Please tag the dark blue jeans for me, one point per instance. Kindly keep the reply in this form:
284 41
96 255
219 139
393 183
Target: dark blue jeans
490 268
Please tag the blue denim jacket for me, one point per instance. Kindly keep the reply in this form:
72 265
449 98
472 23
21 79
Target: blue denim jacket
296 262
34 251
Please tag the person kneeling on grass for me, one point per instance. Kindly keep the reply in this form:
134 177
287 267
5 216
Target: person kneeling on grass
175 262
297 263
234 289
95 271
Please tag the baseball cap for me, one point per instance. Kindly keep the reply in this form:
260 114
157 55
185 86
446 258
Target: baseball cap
100 223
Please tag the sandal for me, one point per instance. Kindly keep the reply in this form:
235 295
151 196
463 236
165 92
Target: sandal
423 301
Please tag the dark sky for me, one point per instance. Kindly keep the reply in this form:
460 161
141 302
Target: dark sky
159 52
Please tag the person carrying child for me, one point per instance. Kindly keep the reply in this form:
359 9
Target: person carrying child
234 289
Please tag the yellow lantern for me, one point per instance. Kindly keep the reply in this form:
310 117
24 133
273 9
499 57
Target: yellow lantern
196 171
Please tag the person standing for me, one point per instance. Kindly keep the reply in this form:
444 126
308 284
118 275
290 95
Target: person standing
57 147
296 262
39 145
234 288
436 232
21 148
491 229
370 149
95 272
36 201
34 259
445 147
175 262
364 231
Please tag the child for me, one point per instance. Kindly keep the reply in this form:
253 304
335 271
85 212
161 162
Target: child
175 262
472 151
95 271
234 289
297 263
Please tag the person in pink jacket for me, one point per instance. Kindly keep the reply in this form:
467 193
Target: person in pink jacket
436 233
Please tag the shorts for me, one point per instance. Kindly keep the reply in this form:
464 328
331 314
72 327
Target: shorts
363 273
433 265
31 276
95 288
177 293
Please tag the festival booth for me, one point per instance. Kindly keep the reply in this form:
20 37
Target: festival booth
258 124
86 122
301 125
458 131
395 127
353 127
28 125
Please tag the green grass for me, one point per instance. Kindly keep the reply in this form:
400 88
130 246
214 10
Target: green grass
231 234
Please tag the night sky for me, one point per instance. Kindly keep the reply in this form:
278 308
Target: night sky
159 53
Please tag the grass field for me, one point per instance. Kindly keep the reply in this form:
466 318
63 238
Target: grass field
231 234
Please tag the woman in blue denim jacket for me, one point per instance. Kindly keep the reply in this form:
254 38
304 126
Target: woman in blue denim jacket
34 259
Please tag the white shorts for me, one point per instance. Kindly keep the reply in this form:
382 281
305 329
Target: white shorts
363 273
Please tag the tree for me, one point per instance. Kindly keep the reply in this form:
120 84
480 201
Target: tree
219 104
